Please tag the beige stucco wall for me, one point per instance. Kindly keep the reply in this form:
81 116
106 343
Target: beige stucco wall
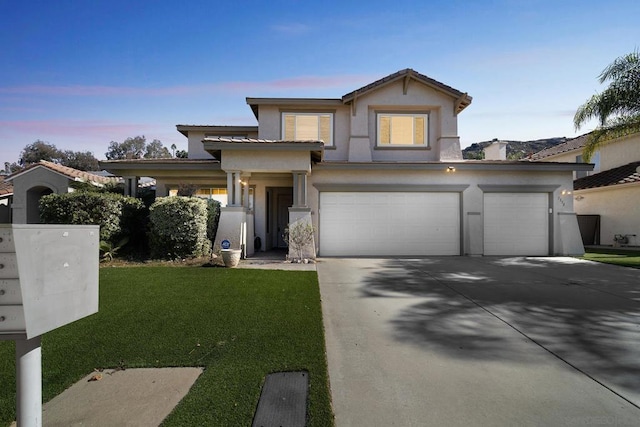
356 134
618 208
620 152
196 149
265 161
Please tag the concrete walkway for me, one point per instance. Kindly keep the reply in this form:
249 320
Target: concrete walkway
459 341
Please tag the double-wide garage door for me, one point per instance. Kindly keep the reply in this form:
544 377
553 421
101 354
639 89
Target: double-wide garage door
389 223
428 223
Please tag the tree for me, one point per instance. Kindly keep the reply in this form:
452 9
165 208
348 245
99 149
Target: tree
40 150
155 150
182 154
173 150
131 148
84 161
617 108
137 148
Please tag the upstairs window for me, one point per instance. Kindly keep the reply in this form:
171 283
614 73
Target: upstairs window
403 129
308 127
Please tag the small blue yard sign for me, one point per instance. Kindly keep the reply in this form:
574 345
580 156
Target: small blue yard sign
225 244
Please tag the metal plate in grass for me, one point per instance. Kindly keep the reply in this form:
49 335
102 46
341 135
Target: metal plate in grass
283 402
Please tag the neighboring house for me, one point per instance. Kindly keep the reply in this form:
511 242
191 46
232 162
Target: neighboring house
377 172
6 196
607 200
40 179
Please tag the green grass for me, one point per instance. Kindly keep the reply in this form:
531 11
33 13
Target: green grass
240 325
626 258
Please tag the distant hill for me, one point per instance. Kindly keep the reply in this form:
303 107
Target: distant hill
515 149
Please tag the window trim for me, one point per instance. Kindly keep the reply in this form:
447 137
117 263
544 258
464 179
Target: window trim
318 114
425 114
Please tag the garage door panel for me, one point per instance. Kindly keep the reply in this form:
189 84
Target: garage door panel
389 224
516 224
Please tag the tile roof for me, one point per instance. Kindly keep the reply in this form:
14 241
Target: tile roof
71 173
6 188
572 144
626 174
258 141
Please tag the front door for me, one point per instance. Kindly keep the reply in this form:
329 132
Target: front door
284 201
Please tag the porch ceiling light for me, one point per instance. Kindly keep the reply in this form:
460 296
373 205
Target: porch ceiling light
451 169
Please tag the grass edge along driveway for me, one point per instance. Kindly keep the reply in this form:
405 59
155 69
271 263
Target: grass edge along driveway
240 325
625 258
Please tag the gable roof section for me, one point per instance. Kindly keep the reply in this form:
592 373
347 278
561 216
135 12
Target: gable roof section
71 173
626 174
573 144
462 98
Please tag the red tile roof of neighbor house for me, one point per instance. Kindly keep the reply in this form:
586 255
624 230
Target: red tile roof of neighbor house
572 144
70 173
626 174
5 187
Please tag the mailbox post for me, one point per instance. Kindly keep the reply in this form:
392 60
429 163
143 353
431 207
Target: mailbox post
48 278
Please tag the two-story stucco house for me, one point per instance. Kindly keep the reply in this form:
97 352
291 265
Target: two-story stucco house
377 172
606 199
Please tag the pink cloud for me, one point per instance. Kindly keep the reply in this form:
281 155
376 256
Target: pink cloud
294 83
73 128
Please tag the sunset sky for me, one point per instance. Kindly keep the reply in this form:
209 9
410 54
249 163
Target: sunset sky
79 74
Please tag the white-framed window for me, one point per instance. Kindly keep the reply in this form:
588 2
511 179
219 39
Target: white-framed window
308 127
402 129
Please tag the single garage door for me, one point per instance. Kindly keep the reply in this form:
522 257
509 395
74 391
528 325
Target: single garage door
389 223
516 224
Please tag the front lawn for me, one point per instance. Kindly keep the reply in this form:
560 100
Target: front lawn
626 258
239 325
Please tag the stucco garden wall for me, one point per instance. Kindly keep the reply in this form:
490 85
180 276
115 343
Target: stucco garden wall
618 208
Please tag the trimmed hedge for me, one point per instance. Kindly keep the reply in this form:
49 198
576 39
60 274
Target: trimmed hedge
117 216
178 228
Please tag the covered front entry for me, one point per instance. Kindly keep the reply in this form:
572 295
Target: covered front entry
278 200
516 224
389 223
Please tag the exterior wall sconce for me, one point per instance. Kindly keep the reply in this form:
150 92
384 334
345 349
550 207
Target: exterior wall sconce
566 192
451 169
578 198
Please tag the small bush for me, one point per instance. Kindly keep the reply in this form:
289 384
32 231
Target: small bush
117 216
178 228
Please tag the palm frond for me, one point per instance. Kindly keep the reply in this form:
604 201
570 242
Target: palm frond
614 129
623 67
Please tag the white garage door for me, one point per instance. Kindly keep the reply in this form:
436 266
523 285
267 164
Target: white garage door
389 223
516 224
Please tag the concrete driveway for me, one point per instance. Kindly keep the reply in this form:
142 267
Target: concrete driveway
449 341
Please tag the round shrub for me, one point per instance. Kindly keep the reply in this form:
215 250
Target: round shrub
178 228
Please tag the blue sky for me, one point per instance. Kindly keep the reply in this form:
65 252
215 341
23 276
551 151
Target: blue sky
80 74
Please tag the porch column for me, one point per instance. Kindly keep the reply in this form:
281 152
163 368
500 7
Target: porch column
299 188
245 189
131 186
234 192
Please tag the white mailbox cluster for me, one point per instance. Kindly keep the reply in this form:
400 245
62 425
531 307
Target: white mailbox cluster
48 277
